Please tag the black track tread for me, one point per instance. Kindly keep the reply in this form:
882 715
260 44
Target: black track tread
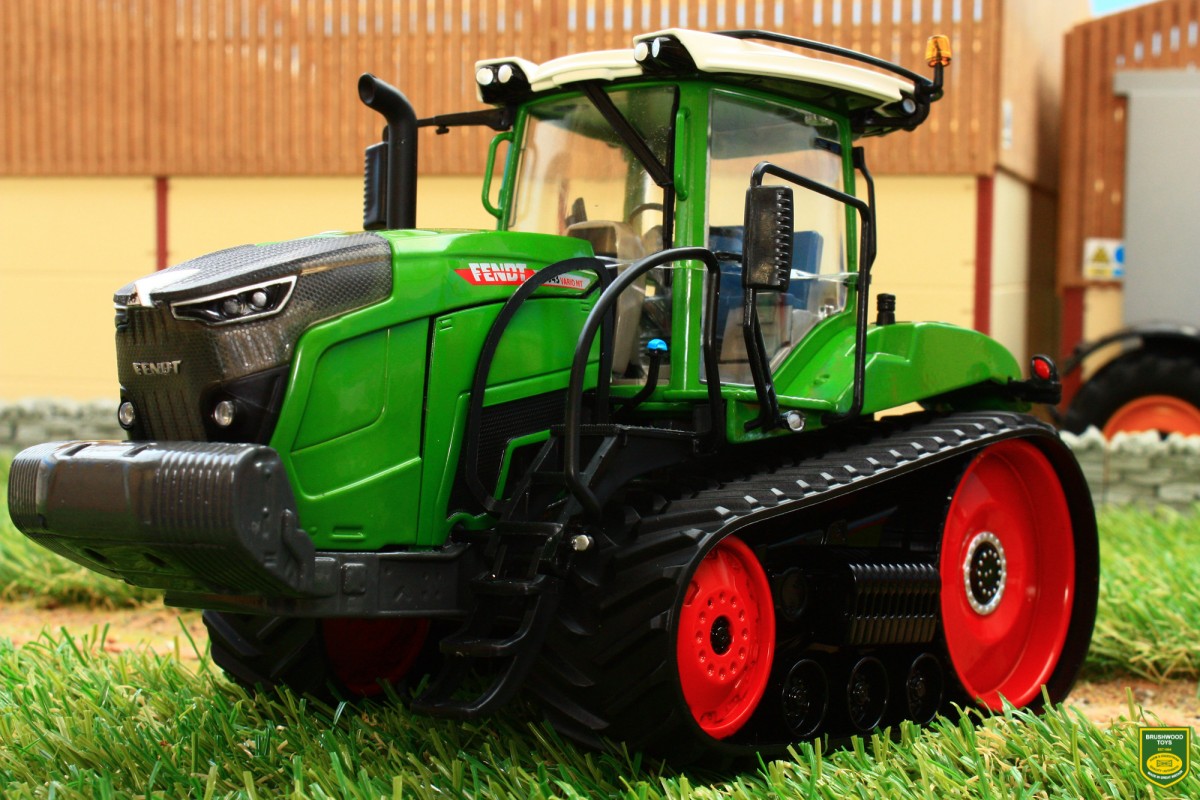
804 478
607 666
1133 375
267 652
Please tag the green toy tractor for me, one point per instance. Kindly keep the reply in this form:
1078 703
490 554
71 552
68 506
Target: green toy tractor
623 452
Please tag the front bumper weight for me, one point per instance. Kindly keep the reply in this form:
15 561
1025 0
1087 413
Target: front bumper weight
190 517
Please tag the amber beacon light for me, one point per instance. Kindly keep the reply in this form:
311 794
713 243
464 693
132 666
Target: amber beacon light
937 51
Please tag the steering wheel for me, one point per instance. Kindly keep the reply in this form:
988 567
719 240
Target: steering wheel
638 209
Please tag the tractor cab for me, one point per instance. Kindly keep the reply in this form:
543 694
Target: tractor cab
655 147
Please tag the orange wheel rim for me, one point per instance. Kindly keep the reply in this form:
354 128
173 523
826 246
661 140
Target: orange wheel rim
1155 412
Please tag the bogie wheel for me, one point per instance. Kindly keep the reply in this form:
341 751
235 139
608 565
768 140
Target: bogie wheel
365 654
1140 391
725 638
331 658
1008 573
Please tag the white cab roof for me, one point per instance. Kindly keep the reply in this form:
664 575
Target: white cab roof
717 55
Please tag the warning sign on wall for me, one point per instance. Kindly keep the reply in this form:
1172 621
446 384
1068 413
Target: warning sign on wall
1104 259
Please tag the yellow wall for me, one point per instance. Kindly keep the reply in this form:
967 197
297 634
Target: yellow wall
207 214
1012 205
927 247
66 244
1024 309
57 341
1103 313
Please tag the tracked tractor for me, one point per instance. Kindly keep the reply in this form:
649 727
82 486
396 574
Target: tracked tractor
626 453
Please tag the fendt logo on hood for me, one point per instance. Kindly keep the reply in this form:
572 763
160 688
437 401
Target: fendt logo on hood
508 273
156 367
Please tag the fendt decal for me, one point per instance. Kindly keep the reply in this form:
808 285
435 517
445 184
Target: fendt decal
156 367
508 273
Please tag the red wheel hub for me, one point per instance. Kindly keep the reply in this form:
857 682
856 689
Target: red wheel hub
1156 412
1007 565
366 653
726 638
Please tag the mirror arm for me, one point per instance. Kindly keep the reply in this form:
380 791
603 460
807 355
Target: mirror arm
866 251
862 288
760 367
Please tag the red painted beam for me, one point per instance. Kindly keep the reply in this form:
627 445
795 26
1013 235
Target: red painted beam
1071 334
984 226
160 222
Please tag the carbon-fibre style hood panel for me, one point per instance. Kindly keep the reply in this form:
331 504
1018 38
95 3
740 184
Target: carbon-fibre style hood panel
252 263
170 368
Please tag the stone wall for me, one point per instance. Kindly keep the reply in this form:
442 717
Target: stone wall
34 421
1138 468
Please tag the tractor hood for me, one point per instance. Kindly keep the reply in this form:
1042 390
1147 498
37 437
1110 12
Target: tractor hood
225 326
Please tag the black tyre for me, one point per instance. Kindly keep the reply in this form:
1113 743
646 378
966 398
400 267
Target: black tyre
624 648
333 658
607 669
1142 390
626 657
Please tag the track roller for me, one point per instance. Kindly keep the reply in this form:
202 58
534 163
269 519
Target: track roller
867 694
804 700
924 688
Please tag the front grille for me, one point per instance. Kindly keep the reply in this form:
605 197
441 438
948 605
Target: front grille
174 370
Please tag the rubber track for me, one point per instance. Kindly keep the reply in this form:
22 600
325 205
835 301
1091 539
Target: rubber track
266 652
607 666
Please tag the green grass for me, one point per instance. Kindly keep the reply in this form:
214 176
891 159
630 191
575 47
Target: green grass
76 723
1149 614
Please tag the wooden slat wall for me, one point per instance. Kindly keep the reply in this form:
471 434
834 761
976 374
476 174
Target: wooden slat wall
1165 35
267 87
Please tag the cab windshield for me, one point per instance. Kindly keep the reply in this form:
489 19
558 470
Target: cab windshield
577 176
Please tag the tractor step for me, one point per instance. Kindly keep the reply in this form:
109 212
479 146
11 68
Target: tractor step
514 603
500 587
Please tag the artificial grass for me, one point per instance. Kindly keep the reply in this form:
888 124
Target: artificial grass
78 723
1149 611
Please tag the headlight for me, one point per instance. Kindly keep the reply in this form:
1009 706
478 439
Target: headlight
240 305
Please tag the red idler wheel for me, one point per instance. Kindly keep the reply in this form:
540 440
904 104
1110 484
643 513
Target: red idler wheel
1007 566
1154 412
364 654
726 638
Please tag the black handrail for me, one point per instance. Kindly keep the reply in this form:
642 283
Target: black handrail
583 346
483 366
928 89
866 259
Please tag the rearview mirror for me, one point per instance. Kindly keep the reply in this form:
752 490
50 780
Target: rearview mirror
767 248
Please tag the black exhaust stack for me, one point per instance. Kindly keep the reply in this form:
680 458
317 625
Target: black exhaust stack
390 179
